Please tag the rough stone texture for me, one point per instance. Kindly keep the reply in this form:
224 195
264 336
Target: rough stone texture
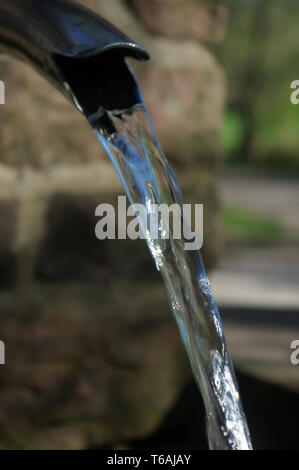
39 127
87 365
186 100
192 19
93 355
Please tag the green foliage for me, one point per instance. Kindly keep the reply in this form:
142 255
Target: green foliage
250 228
232 132
261 60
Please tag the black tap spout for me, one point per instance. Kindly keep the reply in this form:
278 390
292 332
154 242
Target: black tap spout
76 49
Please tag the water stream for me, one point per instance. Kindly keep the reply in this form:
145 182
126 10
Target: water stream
148 179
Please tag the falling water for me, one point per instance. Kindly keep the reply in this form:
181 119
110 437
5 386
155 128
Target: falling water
148 179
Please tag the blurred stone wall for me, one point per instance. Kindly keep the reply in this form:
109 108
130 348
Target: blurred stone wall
93 355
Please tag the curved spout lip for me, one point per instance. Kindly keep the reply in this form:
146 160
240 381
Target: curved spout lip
130 49
61 27
80 32
133 49
76 49
39 30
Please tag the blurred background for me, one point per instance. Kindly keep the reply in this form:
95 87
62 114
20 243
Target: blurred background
93 355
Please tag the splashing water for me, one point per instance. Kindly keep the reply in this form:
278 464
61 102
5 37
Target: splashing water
148 179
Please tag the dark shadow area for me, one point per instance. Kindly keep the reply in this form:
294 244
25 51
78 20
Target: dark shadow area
261 316
7 270
100 82
272 414
71 252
